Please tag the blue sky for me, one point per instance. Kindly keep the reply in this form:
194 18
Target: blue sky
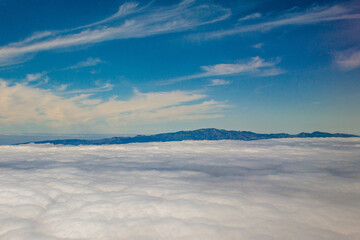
156 66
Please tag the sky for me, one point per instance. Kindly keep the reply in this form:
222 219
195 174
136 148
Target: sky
126 67
263 190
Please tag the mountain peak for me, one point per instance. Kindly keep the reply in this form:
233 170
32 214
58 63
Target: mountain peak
199 134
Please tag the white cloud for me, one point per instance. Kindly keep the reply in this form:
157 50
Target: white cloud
31 77
250 17
254 66
348 61
35 36
124 10
274 189
293 17
138 23
23 106
258 45
89 62
63 87
101 88
229 69
219 82
36 79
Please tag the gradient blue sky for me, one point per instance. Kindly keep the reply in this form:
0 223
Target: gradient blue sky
156 66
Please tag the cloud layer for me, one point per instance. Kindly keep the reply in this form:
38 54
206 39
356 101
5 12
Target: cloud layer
273 189
21 105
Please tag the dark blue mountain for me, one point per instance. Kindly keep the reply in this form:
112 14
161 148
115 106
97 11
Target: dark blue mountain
200 134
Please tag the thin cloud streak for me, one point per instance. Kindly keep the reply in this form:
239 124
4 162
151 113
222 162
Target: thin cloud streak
104 88
124 10
258 45
219 82
311 15
184 16
89 62
250 17
254 66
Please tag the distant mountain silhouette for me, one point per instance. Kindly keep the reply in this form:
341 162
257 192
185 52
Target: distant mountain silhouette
200 134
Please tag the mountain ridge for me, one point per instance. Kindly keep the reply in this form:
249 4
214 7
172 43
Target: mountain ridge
199 134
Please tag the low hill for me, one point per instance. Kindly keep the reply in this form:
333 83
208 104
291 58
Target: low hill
200 134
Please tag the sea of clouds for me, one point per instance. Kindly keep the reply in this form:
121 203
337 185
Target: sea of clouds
269 189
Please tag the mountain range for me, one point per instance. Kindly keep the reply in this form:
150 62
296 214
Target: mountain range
200 134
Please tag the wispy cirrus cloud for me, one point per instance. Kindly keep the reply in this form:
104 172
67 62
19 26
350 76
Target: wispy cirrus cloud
124 10
101 87
89 62
292 17
129 21
348 60
253 66
219 82
23 105
250 17
258 45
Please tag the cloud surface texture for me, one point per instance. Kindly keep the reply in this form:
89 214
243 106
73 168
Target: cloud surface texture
271 189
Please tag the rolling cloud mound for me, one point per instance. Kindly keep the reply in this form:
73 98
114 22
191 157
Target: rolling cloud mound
266 189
